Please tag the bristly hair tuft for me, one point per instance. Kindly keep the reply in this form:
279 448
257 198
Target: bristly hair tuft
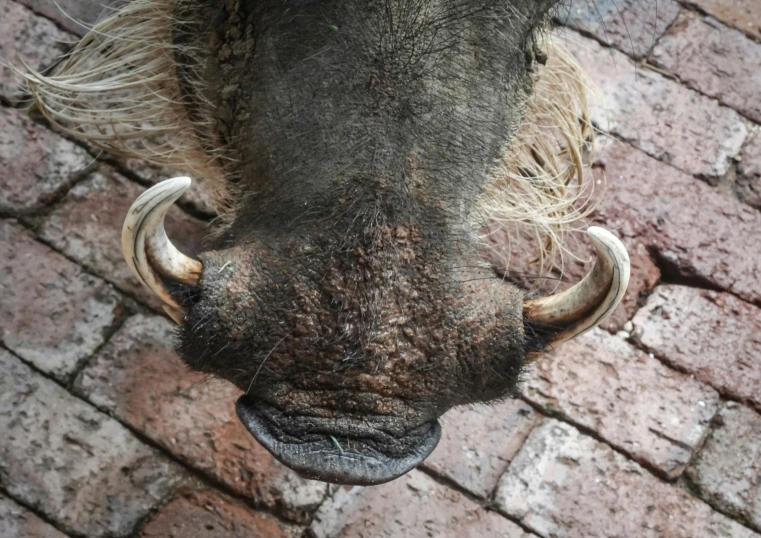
540 189
118 90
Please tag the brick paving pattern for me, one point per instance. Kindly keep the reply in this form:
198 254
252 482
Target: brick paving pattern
649 426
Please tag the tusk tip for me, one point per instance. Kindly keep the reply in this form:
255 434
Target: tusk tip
178 184
588 303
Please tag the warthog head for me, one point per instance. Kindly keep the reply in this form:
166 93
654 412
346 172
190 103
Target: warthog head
358 150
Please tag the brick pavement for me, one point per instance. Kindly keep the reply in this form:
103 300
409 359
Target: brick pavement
648 427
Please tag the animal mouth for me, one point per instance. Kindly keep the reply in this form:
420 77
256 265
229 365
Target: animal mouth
339 450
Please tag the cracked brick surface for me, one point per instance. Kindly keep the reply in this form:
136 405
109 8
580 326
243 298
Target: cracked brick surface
716 60
30 38
698 233
727 472
52 313
80 468
713 336
138 378
36 165
629 399
565 484
749 172
745 15
18 522
664 119
76 16
209 514
414 506
631 26
478 443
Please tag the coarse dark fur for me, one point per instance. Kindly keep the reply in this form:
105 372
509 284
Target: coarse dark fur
347 282
345 291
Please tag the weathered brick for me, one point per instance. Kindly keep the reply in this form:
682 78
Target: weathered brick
564 484
28 37
83 470
631 400
52 314
209 514
748 185
632 26
478 443
715 60
36 165
661 117
76 16
714 336
695 231
745 15
727 471
413 506
18 522
87 226
138 378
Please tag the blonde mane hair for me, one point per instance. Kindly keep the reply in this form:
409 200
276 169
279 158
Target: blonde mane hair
540 188
118 90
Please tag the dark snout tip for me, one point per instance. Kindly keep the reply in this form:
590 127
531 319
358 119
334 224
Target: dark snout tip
339 461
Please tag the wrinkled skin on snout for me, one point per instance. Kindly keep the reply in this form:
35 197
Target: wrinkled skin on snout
347 297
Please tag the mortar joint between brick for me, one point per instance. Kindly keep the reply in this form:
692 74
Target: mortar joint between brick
663 359
486 504
43 16
649 467
688 5
40 515
108 333
89 271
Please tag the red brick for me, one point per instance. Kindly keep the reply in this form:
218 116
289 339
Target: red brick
413 506
632 26
748 186
76 16
715 60
209 514
138 378
83 470
478 443
745 15
17 521
714 336
36 165
727 471
52 314
87 227
661 117
629 399
28 37
696 232
563 484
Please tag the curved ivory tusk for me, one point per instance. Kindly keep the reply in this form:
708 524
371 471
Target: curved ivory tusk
148 251
588 303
